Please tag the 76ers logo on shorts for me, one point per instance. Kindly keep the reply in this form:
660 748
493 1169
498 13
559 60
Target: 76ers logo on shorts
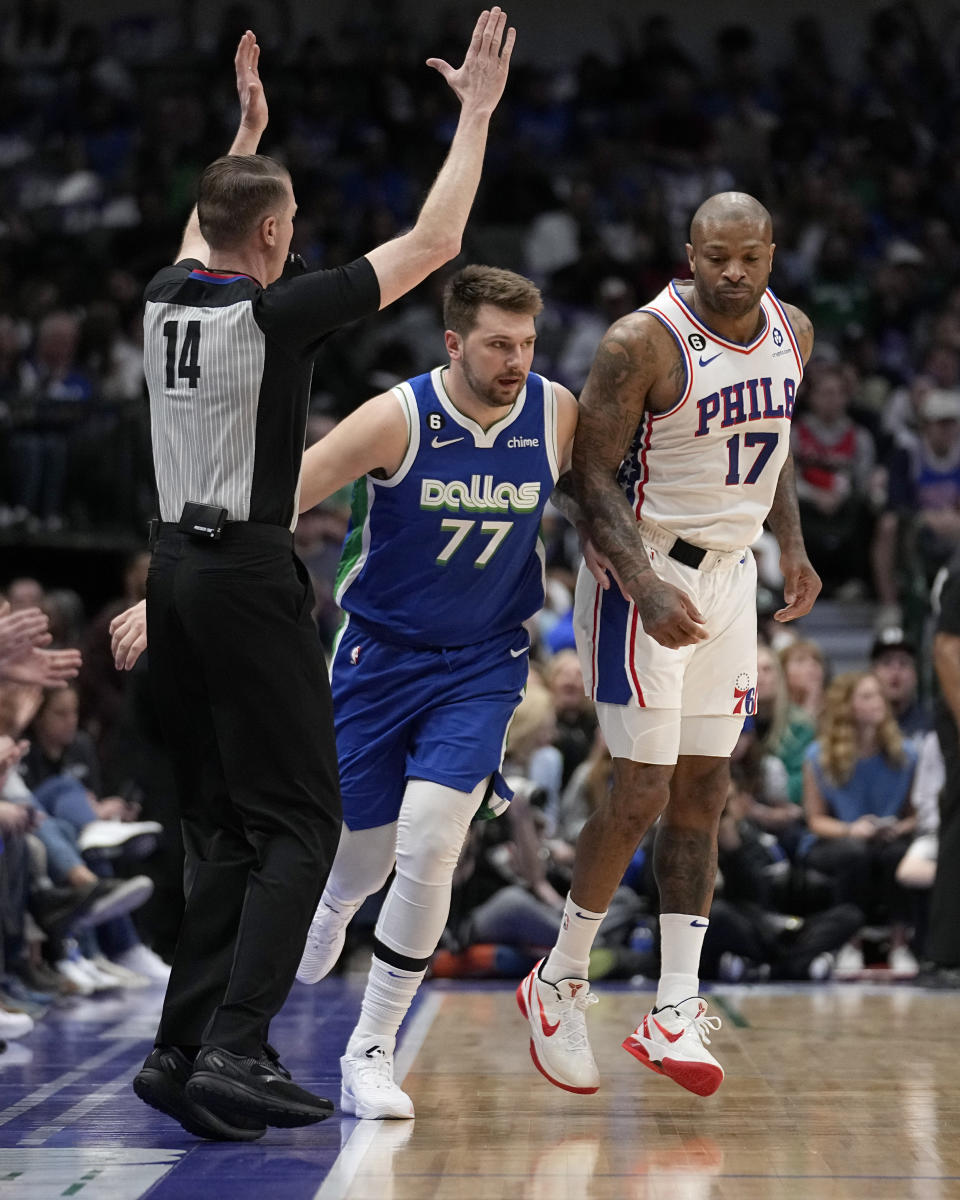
744 696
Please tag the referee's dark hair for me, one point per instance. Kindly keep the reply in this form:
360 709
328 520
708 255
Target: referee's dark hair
235 193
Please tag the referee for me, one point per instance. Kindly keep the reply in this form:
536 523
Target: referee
235 660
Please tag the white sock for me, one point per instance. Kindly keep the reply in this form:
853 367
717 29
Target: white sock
681 941
386 999
570 957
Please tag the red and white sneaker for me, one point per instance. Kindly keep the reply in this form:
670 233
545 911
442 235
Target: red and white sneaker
671 1041
558 1030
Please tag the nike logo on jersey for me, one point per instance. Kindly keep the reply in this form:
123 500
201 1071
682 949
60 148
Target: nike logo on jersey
705 362
438 445
520 653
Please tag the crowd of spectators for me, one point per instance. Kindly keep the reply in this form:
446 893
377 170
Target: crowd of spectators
593 169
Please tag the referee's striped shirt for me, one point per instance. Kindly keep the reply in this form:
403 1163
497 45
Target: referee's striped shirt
228 366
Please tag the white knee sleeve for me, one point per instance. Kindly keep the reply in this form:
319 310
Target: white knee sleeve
431 831
363 861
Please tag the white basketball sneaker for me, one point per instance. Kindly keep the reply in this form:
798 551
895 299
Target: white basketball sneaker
324 945
670 1041
559 1047
368 1089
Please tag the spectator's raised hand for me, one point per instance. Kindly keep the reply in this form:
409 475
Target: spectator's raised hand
43 668
128 636
480 81
21 632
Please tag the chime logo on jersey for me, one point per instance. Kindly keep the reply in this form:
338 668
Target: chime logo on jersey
481 494
744 696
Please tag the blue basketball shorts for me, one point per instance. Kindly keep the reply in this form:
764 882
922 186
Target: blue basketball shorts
415 713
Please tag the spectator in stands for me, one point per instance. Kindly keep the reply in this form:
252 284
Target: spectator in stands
920 528
858 778
576 722
805 672
834 460
53 399
24 592
893 660
762 772
530 753
784 728
750 935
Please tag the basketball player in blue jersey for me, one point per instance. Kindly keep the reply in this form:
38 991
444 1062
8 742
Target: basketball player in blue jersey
440 568
682 453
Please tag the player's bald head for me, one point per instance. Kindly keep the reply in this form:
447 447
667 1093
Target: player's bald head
728 209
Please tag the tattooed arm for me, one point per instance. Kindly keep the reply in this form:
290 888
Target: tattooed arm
562 497
630 363
801 583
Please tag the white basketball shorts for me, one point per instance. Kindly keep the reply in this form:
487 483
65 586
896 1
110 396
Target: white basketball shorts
654 703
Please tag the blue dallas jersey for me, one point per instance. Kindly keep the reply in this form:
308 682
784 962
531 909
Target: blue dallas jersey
447 551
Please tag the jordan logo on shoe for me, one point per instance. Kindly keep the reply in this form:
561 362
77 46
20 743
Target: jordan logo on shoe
671 1037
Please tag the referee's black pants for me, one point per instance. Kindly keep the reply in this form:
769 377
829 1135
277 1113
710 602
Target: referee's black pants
243 698
943 933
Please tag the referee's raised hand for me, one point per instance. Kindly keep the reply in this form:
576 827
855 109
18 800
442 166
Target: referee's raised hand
253 100
480 81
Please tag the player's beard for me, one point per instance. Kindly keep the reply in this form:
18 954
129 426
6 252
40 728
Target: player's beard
736 304
488 392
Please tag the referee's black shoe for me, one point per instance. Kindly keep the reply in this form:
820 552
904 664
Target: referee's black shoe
236 1087
161 1083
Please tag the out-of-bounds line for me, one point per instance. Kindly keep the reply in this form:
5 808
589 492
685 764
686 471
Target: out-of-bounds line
81 1108
56 1085
342 1173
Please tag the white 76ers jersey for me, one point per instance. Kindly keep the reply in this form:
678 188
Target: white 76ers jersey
707 469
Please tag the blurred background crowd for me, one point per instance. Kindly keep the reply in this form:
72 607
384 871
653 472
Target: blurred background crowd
593 169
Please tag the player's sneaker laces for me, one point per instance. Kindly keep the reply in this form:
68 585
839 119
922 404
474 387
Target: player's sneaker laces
556 1014
368 1089
673 1041
324 945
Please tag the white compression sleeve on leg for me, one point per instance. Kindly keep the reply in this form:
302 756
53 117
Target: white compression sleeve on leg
431 831
361 865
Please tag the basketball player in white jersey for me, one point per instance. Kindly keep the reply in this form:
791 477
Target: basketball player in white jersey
681 454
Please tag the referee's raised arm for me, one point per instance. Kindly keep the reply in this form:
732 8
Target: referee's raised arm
478 84
254 116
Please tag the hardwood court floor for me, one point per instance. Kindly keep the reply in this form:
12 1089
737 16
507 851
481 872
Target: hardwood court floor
832 1092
